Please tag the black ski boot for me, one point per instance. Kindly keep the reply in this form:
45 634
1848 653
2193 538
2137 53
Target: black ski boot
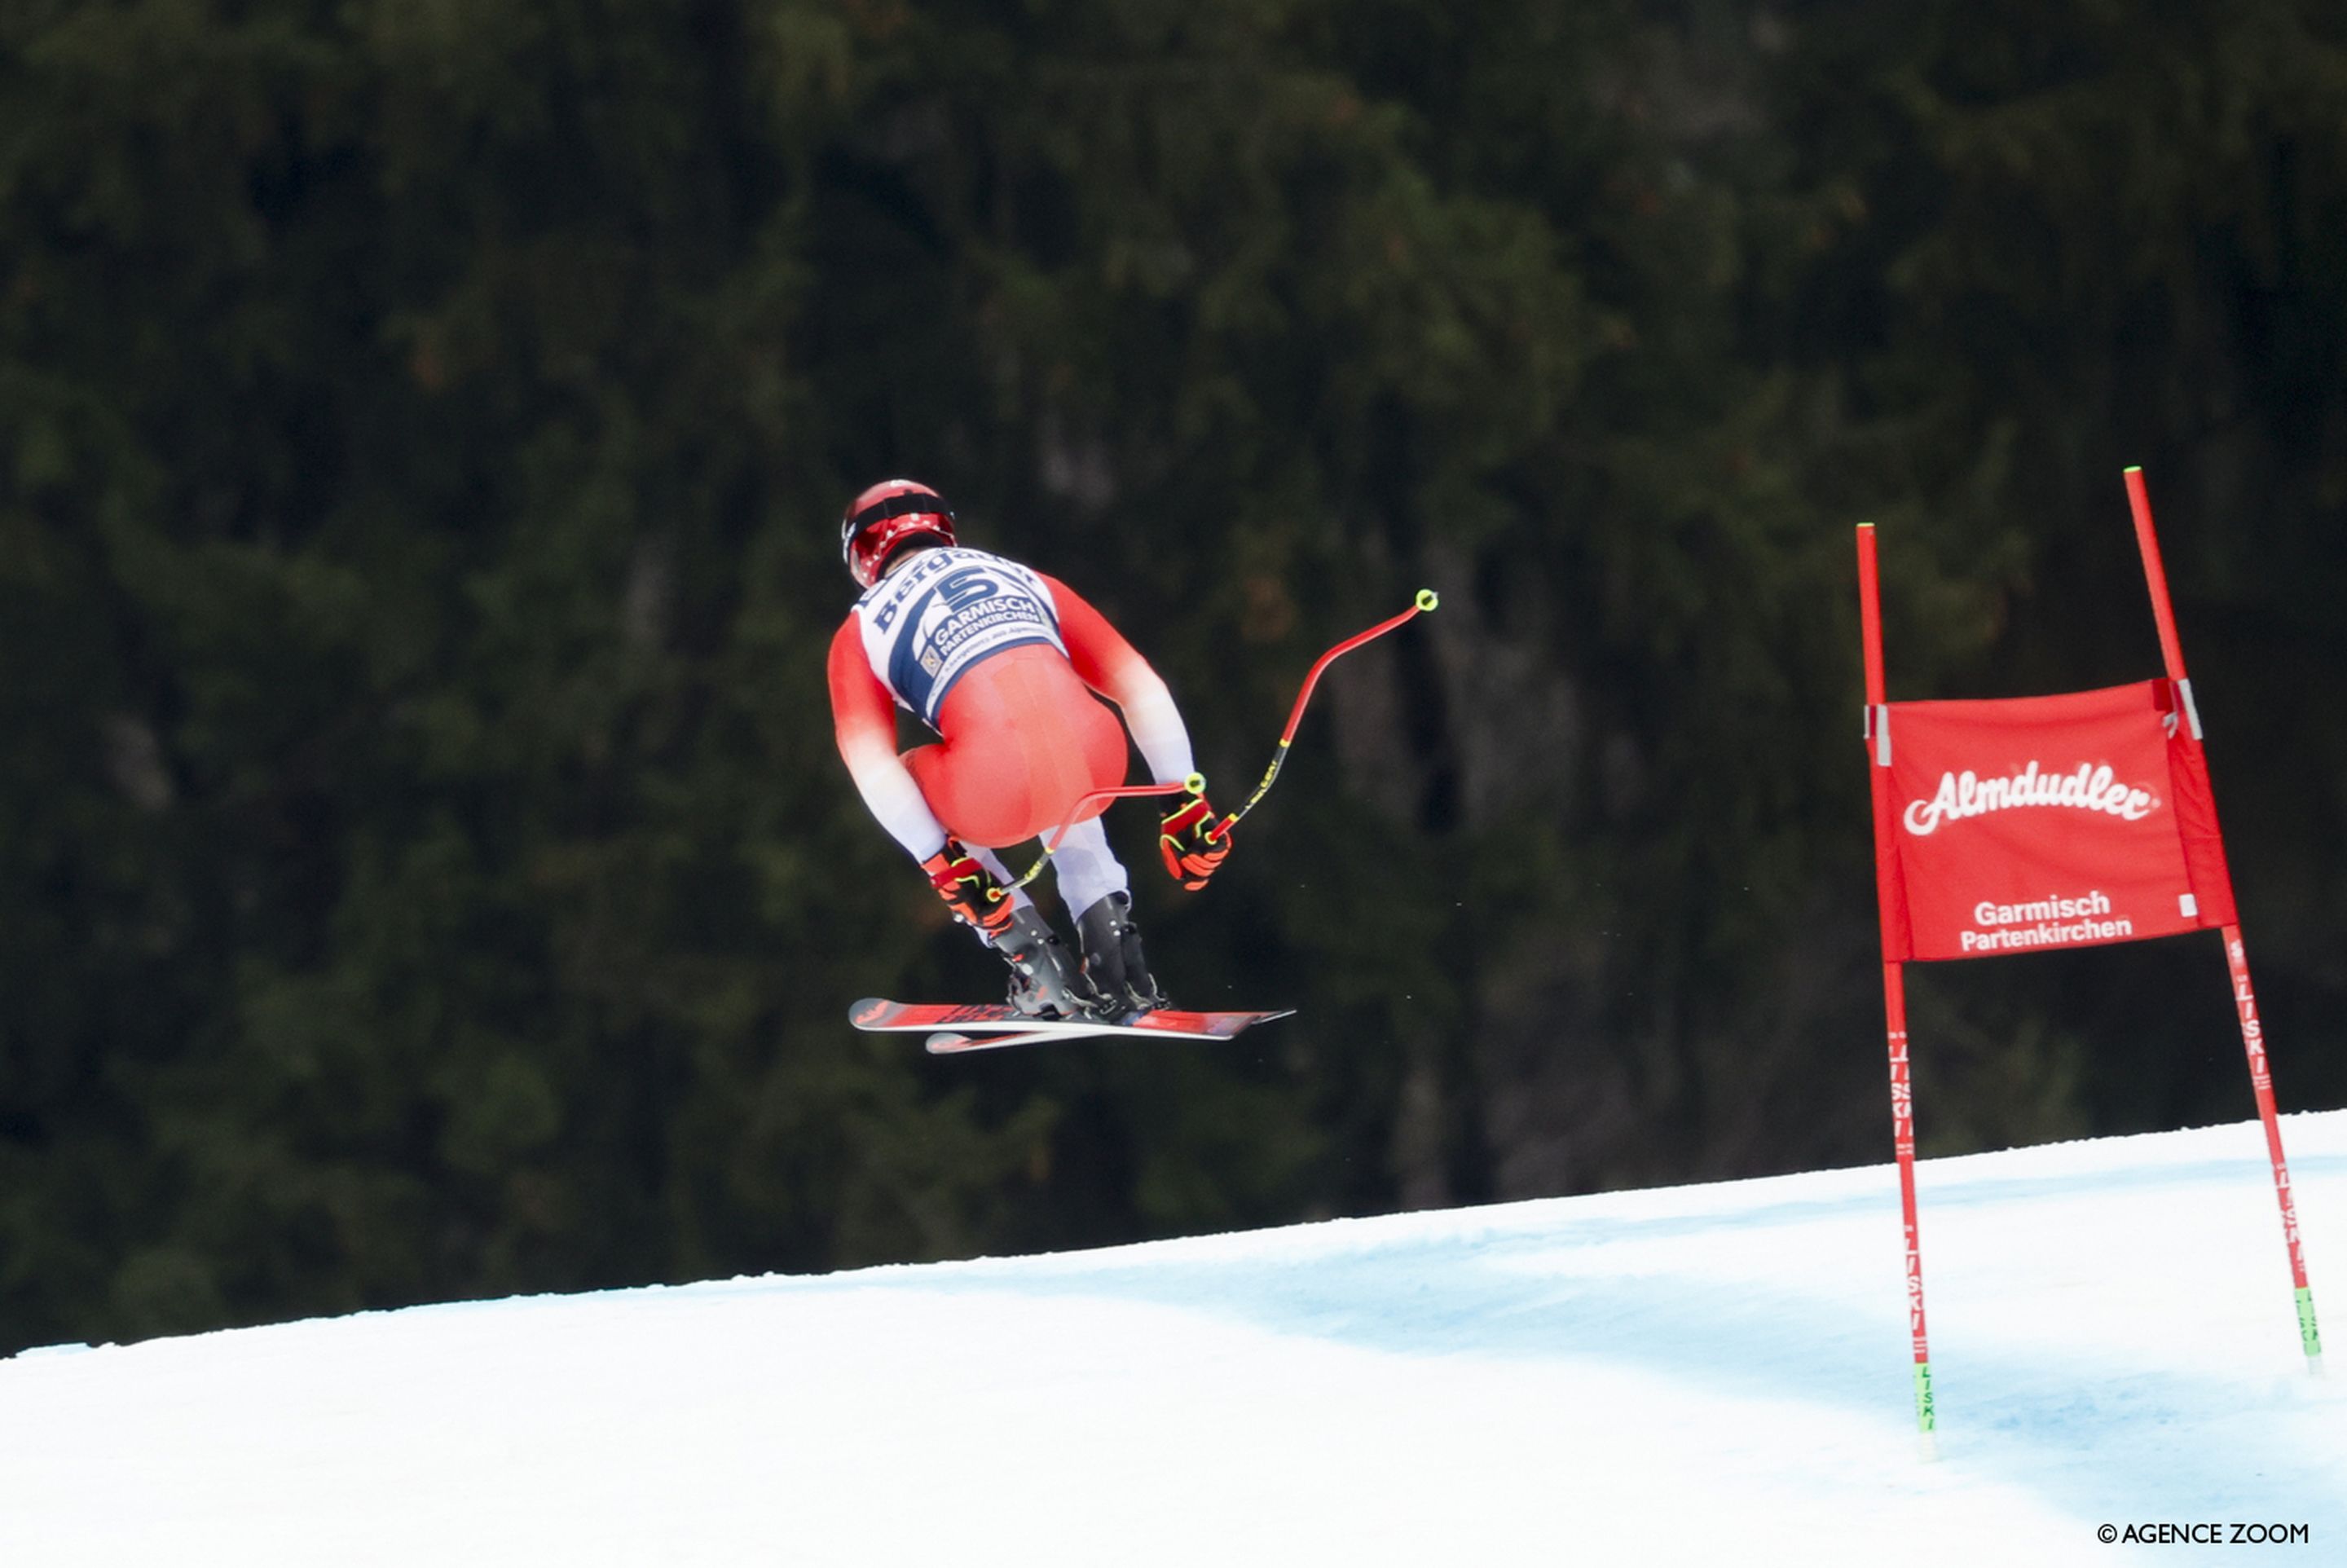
1113 960
1046 981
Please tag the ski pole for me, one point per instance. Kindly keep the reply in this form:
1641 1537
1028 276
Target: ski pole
1426 601
1195 784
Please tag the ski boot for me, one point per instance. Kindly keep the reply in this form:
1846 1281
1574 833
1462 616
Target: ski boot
1113 965
1046 981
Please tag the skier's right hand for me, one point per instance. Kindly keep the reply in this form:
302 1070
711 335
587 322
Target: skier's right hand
969 889
1192 843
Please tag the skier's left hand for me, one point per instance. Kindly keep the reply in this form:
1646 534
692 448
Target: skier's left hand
969 889
1193 844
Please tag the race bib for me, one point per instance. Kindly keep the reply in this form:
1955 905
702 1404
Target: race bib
926 625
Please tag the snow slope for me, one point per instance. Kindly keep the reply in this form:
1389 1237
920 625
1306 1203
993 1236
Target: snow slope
1712 1374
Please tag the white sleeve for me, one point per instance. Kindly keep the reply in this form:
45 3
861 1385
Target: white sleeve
1157 725
865 718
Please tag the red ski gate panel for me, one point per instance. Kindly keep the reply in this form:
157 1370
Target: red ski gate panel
2038 822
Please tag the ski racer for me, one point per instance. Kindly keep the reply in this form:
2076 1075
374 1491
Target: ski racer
1001 662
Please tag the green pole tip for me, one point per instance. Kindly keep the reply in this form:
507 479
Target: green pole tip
2132 468
1428 598
1195 784
1866 525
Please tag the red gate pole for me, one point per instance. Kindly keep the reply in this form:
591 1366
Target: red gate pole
2245 1000
1894 982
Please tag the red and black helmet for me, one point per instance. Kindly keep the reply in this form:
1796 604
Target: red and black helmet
886 518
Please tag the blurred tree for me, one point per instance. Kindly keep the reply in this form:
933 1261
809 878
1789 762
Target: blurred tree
422 870
2070 238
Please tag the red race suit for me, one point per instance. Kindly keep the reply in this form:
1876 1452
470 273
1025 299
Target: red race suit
1002 661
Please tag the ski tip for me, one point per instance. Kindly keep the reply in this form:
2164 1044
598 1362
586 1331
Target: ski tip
867 1009
947 1043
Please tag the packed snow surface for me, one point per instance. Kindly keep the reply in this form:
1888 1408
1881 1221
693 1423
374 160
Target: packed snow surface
1713 1374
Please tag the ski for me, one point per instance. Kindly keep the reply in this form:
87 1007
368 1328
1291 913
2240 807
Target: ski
983 1026
1164 1025
881 1014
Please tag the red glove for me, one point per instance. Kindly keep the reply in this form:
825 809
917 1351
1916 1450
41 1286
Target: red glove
1193 843
969 889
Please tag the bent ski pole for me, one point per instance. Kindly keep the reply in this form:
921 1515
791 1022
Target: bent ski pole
1194 785
1426 601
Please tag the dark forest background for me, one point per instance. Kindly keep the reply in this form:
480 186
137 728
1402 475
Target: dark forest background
424 870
